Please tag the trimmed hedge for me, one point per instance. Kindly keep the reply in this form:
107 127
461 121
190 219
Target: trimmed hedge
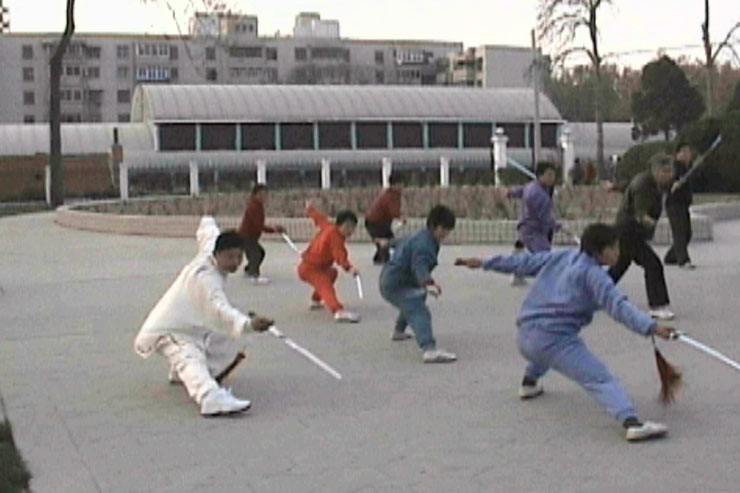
635 160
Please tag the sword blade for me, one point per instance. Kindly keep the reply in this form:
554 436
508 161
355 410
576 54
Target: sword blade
304 352
290 242
707 350
360 291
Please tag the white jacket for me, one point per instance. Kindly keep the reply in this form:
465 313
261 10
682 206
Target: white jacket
196 301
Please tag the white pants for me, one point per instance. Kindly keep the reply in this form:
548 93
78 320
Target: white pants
192 360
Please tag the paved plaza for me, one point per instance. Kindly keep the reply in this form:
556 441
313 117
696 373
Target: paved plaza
90 416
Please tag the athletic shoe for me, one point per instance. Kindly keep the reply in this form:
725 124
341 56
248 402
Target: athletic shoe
261 281
662 313
221 401
173 377
646 431
530 391
439 356
400 336
518 281
316 305
687 266
346 316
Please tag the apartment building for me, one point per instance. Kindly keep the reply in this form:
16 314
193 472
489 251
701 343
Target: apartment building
491 66
101 71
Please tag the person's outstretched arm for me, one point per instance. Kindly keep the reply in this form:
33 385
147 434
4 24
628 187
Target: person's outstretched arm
523 264
616 303
206 235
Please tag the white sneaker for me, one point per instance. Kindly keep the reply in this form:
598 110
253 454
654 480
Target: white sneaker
518 281
260 281
221 401
645 431
662 313
530 391
316 305
439 356
346 316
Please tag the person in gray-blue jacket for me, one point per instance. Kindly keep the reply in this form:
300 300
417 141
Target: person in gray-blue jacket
570 286
407 278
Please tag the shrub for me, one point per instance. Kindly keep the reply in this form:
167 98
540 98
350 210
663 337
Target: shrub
635 160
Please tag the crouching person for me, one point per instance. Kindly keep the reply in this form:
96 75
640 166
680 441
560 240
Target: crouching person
181 325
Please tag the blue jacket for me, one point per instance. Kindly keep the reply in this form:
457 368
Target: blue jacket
569 288
412 262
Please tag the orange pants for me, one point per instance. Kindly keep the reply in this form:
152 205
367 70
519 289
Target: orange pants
322 279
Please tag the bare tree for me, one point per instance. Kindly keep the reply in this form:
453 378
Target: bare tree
55 130
558 23
712 52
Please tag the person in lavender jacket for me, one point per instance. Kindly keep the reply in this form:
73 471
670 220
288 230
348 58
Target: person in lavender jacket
570 286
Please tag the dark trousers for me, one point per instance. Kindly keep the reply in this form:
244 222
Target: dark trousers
634 248
255 255
376 231
680 219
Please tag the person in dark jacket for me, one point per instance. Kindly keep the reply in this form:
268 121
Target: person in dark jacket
251 228
637 217
677 209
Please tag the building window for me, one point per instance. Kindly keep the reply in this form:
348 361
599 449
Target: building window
210 53
477 134
72 71
27 52
29 98
177 137
329 53
211 74
74 117
122 51
334 135
246 52
549 135
443 135
122 72
94 96
406 134
300 54
148 49
271 53
173 53
77 95
379 57
296 136
372 135
92 51
257 136
155 73
28 74
29 119
124 96
124 117
174 73
92 72
379 77
515 133
218 136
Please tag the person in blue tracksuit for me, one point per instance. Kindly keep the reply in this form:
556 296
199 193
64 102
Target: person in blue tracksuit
570 286
407 278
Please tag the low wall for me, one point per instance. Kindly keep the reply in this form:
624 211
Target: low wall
467 231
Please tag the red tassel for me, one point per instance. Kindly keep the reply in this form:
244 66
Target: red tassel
670 378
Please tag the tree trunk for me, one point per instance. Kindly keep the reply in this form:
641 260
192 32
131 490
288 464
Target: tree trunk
55 133
709 62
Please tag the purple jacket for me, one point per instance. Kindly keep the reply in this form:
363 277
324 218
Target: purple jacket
536 215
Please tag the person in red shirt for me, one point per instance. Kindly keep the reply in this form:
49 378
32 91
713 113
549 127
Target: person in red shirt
251 228
380 215
326 248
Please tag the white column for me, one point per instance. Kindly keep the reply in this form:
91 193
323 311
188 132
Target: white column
569 154
262 171
325 174
385 172
47 183
444 172
194 183
123 180
499 141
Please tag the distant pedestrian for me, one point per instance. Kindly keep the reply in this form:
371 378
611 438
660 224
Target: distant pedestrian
251 228
380 215
677 206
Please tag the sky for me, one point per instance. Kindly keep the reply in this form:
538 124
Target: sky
626 25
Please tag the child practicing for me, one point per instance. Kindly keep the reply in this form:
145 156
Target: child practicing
251 228
326 248
180 325
570 286
407 277
380 215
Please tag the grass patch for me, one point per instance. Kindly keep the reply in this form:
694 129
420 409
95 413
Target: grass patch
14 477
15 209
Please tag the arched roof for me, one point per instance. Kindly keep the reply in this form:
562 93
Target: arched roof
281 103
77 138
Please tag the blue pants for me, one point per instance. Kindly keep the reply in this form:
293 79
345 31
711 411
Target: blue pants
568 354
412 310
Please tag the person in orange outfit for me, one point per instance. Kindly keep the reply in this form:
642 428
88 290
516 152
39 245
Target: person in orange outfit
251 228
326 248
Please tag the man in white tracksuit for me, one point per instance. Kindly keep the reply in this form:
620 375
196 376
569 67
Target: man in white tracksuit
180 327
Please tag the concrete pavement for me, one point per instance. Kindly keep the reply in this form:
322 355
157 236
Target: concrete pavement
91 416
